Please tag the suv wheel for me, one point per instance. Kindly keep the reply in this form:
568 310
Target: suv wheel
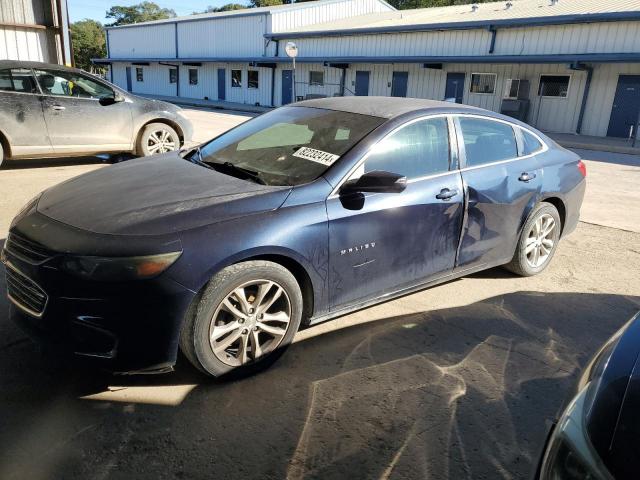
157 138
538 241
246 317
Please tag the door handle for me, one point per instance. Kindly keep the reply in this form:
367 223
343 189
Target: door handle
445 194
526 176
57 107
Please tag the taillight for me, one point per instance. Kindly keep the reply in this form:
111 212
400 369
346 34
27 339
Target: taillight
582 167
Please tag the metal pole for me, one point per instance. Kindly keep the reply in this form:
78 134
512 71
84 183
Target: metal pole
293 83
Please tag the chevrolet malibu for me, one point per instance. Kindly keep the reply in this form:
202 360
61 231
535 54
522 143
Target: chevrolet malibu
300 215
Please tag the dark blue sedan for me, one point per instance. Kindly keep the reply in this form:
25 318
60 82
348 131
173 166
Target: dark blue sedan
305 213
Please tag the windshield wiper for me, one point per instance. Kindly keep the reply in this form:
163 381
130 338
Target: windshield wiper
245 172
195 156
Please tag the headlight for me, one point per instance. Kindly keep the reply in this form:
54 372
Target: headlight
570 455
119 269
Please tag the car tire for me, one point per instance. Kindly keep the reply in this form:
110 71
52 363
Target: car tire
244 323
538 241
157 138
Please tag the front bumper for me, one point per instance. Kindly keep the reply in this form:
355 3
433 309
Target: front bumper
123 327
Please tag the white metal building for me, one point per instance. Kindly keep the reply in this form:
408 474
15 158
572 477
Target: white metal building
35 30
565 65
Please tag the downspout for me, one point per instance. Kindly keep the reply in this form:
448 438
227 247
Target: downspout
106 34
494 32
342 81
585 96
273 76
175 24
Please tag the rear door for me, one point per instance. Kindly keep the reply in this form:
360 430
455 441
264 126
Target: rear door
500 188
381 243
76 120
21 117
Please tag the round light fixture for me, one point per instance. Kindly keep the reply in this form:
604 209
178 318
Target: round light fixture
291 49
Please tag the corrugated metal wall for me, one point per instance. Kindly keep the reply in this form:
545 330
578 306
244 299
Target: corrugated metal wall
322 13
230 37
156 41
27 43
603 89
615 37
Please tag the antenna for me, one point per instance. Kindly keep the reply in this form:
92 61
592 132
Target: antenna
474 7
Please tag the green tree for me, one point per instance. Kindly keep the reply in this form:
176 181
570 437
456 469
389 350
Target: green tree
223 8
266 3
142 12
407 4
87 39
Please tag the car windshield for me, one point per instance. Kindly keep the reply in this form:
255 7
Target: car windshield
288 146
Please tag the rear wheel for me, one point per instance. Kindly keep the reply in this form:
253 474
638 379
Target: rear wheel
245 318
538 241
157 138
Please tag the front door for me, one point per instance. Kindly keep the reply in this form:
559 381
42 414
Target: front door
500 187
399 84
362 83
128 71
455 86
625 113
222 83
287 86
381 243
21 117
76 120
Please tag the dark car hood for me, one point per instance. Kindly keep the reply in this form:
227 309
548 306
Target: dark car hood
154 196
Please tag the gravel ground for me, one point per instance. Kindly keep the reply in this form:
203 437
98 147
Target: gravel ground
458 381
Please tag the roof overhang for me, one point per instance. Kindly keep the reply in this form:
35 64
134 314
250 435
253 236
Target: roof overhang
470 25
515 59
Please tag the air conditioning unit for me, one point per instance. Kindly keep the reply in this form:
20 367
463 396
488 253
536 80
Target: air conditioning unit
516 89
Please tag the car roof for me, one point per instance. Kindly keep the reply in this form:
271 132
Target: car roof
23 64
389 107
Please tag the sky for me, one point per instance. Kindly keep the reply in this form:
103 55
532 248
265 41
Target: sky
95 9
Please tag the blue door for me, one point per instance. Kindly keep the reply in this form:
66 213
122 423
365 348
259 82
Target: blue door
222 83
399 84
362 83
626 107
455 86
128 79
287 86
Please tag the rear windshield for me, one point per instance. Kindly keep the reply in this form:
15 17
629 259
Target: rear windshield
290 145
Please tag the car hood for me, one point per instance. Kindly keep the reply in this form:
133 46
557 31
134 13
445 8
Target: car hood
154 196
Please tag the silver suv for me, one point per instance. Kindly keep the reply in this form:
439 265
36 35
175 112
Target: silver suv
53 111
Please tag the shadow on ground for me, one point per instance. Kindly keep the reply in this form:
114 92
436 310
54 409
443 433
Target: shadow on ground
456 393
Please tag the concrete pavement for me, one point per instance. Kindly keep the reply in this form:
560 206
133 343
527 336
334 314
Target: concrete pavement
458 381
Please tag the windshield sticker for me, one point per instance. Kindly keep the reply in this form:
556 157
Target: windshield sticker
317 156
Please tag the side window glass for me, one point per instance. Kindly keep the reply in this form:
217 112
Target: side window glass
487 141
71 84
421 148
530 144
17 80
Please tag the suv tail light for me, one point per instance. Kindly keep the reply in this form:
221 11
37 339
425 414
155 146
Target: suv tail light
582 167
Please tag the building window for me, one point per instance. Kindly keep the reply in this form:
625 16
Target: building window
139 75
173 75
316 78
252 79
554 85
236 78
483 83
193 76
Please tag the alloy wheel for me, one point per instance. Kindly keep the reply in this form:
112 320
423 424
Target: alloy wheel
161 141
250 322
540 240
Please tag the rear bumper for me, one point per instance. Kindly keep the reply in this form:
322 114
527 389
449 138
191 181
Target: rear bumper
573 202
123 328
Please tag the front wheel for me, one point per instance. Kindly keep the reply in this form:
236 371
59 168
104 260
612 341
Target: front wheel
538 241
246 317
157 138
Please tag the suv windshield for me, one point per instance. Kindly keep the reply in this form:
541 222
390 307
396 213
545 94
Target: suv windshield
288 146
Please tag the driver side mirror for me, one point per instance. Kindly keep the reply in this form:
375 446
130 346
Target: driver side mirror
375 182
117 98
